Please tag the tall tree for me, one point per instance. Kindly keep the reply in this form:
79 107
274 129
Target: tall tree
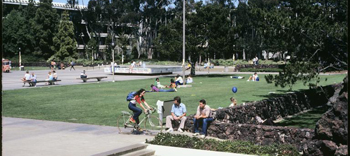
64 41
13 33
45 27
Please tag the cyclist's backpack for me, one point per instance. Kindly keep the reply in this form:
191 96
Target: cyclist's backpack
130 96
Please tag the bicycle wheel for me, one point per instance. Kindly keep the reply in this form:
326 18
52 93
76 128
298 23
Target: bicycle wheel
153 125
123 123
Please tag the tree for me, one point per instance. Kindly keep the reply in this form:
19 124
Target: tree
64 41
13 33
45 27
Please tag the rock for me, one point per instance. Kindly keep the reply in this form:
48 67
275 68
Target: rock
328 147
342 150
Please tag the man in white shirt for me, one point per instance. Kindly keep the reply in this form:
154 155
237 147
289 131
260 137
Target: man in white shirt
26 76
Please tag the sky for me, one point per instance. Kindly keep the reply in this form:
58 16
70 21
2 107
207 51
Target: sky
85 2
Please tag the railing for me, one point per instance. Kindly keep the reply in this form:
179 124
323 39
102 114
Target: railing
54 4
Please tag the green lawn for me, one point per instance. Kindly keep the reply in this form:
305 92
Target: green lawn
305 120
100 103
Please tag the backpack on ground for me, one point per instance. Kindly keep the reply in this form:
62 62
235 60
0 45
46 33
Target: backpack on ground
257 79
130 96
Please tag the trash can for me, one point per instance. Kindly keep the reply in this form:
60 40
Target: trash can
21 68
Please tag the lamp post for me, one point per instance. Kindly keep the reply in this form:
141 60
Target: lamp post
113 59
183 40
20 59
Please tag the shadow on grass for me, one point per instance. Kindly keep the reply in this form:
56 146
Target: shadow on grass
306 120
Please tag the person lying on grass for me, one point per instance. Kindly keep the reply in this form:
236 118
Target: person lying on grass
155 89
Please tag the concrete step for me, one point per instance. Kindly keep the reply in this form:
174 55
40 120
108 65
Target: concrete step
123 150
143 152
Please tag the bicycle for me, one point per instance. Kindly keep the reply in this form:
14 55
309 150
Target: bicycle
132 128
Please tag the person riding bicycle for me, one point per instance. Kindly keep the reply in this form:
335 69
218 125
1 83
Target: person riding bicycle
139 98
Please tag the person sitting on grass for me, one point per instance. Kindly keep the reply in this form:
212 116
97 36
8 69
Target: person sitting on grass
178 113
26 76
138 98
203 115
172 84
83 75
155 89
233 102
179 80
254 77
157 83
189 79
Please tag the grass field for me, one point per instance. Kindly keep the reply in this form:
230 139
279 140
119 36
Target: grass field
101 103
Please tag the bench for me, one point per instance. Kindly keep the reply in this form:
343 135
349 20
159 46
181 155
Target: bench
98 78
50 82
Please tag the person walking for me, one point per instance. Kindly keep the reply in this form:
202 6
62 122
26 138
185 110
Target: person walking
72 65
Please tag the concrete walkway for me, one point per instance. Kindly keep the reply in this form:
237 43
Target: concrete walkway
27 137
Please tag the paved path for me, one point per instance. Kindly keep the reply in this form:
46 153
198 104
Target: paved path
12 80
27 137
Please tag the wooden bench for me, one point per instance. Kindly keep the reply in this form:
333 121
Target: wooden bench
98 78
50 82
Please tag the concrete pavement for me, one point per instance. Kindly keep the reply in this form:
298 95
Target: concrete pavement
27 137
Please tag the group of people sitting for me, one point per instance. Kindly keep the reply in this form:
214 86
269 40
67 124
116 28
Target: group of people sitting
178 113
29 77
51 76
158 87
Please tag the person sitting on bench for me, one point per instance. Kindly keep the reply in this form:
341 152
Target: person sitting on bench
26 76
33 79
178 113
155 89
83 75
55 77
203 115
49 77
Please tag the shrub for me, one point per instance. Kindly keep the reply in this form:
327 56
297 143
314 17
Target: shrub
245 147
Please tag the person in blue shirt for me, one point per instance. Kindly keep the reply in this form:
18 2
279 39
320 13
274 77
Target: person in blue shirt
178 113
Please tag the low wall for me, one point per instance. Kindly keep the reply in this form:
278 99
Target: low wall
239 122
276 107
259 66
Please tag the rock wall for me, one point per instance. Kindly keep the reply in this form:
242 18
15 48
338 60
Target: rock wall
331 132
276 107
329 138
259 134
